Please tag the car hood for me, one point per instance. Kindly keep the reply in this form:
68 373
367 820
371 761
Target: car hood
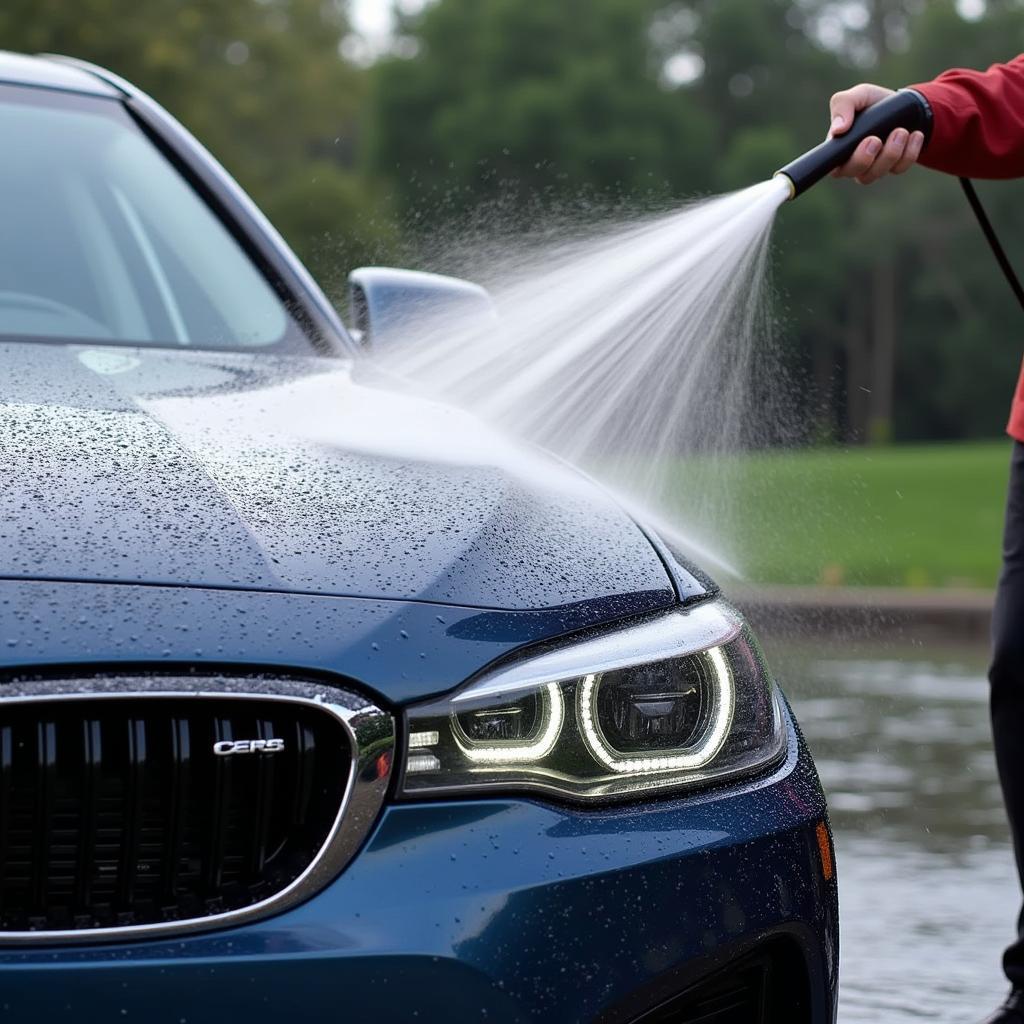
291 474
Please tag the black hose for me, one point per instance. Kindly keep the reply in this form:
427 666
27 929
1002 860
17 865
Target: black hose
990 234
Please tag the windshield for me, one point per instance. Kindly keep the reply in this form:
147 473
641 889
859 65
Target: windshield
103 240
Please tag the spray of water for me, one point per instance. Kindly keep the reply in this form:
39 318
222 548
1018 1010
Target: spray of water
632 352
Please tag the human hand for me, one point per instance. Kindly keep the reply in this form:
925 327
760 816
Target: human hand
872 159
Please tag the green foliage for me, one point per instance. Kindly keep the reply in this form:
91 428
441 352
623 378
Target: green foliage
511 99
260 82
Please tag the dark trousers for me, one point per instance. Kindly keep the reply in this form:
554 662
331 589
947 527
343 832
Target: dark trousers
1007 678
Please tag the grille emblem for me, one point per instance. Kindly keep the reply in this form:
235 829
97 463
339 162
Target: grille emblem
225 748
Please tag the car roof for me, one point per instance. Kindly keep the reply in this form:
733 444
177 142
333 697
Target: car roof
51 73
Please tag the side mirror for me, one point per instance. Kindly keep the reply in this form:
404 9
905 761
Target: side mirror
389 305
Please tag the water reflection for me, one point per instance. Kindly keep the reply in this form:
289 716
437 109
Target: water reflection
928 893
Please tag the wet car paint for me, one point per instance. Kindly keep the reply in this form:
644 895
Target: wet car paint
399 650
170 467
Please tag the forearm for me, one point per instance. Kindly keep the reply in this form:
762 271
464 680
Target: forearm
978 129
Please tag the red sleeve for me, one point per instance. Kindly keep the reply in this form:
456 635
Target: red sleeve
978 131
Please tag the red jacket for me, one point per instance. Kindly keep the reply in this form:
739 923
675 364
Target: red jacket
978 132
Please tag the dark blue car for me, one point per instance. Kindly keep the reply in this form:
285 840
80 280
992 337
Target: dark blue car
317 703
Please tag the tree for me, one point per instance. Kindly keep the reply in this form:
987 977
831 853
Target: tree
507 100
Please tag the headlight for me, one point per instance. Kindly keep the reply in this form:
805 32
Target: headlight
675 701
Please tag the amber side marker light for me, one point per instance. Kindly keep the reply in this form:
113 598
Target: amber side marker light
825 849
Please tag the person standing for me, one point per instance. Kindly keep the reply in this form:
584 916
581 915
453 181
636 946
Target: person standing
977 132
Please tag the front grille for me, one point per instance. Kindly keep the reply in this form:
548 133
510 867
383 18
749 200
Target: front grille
117 812
737 999
766 987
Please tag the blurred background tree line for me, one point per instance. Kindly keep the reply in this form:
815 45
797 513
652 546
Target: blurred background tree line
895 320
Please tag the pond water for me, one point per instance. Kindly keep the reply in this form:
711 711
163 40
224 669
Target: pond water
927 887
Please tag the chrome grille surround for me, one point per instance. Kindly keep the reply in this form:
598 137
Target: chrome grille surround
371 736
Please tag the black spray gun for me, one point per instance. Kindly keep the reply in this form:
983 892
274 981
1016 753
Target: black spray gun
904 109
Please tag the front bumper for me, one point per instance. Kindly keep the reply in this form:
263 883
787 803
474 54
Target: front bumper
494 910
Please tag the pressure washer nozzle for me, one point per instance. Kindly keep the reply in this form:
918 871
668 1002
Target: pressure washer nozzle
904 109
789 181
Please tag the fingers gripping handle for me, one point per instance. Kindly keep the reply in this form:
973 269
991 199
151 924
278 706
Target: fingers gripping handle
904 109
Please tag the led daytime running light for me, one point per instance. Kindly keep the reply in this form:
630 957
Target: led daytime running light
553 709
695 757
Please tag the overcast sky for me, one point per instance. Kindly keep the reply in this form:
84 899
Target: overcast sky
371 17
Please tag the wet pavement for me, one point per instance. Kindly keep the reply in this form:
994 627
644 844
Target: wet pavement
928 892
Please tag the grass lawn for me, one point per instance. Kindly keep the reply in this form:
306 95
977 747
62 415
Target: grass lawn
918 516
